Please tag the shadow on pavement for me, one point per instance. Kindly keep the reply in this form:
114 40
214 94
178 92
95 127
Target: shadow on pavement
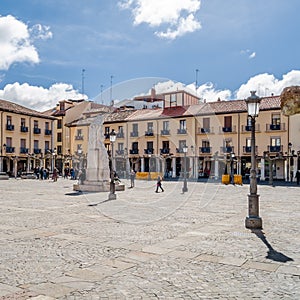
74 193
272 253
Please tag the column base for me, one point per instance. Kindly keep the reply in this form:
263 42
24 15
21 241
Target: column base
253 222
112 196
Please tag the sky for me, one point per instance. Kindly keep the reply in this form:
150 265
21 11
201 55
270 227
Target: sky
100 50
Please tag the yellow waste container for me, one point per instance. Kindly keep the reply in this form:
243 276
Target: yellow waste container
226 179
237 179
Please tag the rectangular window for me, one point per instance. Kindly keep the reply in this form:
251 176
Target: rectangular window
8 142
182 124
165 144
79 132
23 122
135 146
135 127
36 144
275 141
166 125
121 129
248 142
8 120
59 124
23 143
150 126
47 145
59 137
59 149
228 121
182 143
275 119
47 125
107 130
206 123
149 145
205 144
36 124
120 146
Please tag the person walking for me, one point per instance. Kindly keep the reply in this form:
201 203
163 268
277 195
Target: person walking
298 177
55 175
158 184
132 177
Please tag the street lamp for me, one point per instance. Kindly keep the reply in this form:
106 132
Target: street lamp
149 170
112 195
184 188
253 221
232 158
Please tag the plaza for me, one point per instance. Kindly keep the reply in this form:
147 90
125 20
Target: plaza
60 244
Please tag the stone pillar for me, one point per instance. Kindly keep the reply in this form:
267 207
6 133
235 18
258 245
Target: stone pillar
262 169
173 167
286 170
158 165
28 164
143 164
163 166
216 168
127 167
195 163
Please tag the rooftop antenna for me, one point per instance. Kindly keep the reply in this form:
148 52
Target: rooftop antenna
111 78
197 80
82 82
101 90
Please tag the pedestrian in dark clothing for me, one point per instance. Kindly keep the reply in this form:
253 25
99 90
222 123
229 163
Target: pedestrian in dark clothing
158 184
298 177
132 177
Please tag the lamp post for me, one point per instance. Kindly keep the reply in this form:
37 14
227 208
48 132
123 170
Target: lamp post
149 170
289 158
232 157
112 195
184 188
253 221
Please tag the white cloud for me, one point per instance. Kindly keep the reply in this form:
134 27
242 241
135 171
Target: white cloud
266 84
37 97
249 53
252 55
178 16
16 41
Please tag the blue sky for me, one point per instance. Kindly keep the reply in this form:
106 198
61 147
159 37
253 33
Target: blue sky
236 45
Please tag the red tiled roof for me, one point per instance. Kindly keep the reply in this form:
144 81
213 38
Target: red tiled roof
19 109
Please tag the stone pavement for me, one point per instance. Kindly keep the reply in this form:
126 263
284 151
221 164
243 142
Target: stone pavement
59 244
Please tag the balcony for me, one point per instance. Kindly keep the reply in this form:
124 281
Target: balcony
205 149
275 127
227 149
79 137
10 127
10 149
181 131
134 151
165 151
120 135
36 130
23 150
247 128
23 128
205 130
275 148
165 132
149 151
48 132
179 150
120 152
37 150
134 134
228 129
149 133
247 149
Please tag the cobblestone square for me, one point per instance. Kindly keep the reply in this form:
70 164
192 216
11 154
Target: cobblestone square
59 244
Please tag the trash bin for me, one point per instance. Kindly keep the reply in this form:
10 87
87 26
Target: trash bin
237 179
226 179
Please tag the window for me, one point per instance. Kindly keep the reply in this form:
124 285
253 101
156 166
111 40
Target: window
59 124
59 137
150 126
23 122
79 132
47 125
248 142
79 147
135 127
36 124
166 125
205 144
23 143
275 119
182 124
47 145
165 144
206 123
149 145
59 149
36 144
120 146
275 141
228 122
182 143
121 129
8 120
106 130
8 142
135 146
62 106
